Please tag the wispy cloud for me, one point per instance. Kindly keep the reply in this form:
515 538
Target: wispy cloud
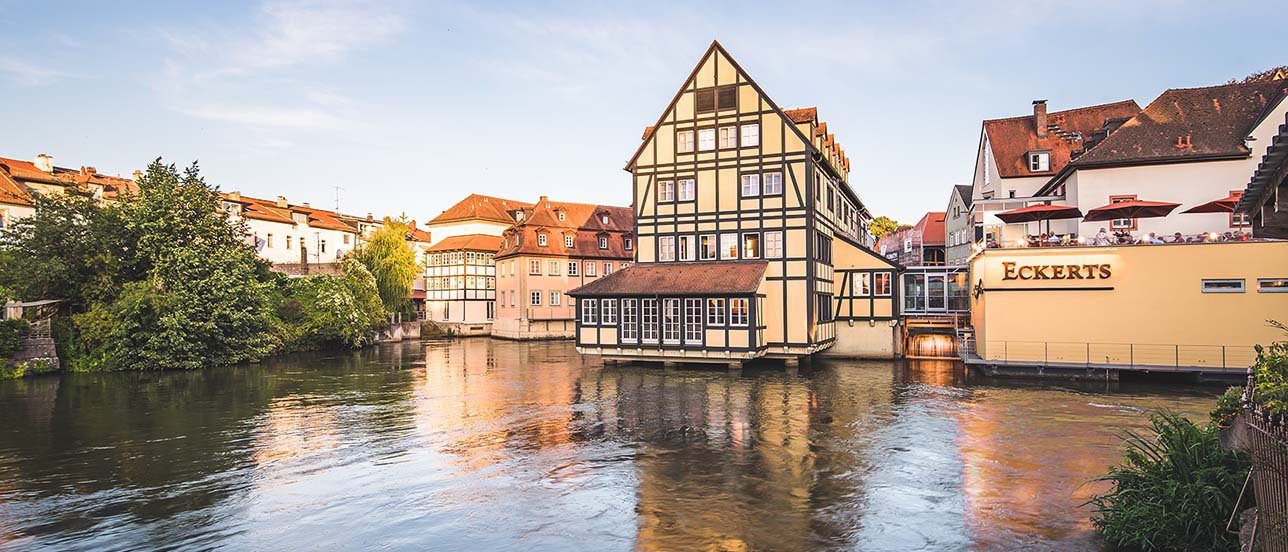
27 74
277 117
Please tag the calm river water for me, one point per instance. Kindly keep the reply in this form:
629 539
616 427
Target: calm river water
490 445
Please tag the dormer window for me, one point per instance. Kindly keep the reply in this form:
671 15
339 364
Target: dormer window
231 207
1039 161
562 216
567 241
629 243
300 218
603 242
541 240
603 218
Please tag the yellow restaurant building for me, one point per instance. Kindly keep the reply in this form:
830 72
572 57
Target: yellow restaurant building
1198 307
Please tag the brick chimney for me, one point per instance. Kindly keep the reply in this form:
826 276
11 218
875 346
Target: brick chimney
281 202
1040 118
138 174
235 196
45 162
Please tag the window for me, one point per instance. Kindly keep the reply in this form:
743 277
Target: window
554 268
268 242
824 252
728 137
686 248
346 239
751 246
1272 285
707 247
589 309
322 246
773 183
541 240
750 135
706 139
608 311
666 248
824 307
774 244
562 216
534 267
728 246
288 243
603 219
513 303
705 100
686 189
738 313
629 243
1039 161
603 242
666 190
556 298
750 185
567 241
670 321
1239 220
881 284
862 284
491 310
726 97
1122 224
648 320
608 268
1233 285
684 141
907 245
715 312
693 321
716 99
630 321
590 268
831 199
572 268
536 298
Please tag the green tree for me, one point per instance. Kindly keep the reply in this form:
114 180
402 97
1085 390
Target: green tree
881 226
392 262
333 310
204 297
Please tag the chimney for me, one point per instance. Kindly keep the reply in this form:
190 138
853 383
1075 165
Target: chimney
543 199
281 202
1039 117
235 196
45 163
369 217
306 205
138 174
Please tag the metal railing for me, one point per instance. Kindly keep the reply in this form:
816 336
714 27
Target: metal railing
1265 438
1233 358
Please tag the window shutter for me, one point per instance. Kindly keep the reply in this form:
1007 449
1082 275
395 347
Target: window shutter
706 100
728 97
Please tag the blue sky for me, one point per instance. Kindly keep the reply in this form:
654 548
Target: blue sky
408 106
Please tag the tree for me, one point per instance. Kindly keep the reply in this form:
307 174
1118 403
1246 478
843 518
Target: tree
203 298
392 262
881 226
1271 74
333 310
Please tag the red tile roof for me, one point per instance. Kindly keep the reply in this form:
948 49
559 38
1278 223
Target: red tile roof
1189 122
268 210
802 115
11 192
469 242
703 278
932 228
481 207
582 221
1012 138
17 171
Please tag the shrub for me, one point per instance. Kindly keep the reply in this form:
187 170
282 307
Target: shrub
11 332
1271 372
332 310
1174 490
1228 406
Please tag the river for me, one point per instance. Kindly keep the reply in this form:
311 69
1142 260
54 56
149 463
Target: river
478 444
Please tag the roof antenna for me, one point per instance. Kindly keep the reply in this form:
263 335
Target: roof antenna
337 197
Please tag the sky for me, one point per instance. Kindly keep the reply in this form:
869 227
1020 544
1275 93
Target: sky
406 107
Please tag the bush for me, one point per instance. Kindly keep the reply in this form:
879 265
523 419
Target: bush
1271 372
11 332
1228 406
332 310
1175 489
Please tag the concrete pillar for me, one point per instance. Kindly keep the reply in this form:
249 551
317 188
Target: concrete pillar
792 362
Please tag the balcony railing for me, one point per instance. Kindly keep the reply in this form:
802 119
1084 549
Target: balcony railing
1175 357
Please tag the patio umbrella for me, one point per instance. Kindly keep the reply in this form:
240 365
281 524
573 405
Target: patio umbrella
1040 212
1223 205
1131 209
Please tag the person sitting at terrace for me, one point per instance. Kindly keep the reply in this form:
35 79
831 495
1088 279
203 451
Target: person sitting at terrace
1152 239
1178 238
1053 239
1102 238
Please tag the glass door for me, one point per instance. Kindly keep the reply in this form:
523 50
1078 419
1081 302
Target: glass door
935 293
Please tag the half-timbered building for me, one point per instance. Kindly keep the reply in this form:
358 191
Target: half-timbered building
741 210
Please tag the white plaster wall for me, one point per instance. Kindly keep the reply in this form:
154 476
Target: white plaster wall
440 232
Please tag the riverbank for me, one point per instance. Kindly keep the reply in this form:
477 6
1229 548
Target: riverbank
480 443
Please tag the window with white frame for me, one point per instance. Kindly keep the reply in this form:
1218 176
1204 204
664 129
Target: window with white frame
881 284
1039 161
666 190
536 298
666 248
556 298
671 321
608 311
687 252
603 242
907 245
751 245
774 244
541 240
628 243
728 137
738 312
693 321
685 189
750 185
554 268
750 135
590 268
1272 285
706 139
707 247
729 246
534 267
572 267
589 311
567 241
684 141
648 320
773 183
630 320
1225 285
862 284
715 312
608 268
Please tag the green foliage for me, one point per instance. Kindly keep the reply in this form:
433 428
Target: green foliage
1271 372
203 299
392 262
332 310
15 370
1174 490
1228 406
881 226
11 332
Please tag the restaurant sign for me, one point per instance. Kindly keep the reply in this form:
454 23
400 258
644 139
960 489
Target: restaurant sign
1015 271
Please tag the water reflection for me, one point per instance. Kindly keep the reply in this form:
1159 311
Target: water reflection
480 444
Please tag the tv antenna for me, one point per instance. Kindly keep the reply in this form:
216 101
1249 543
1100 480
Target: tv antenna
337 197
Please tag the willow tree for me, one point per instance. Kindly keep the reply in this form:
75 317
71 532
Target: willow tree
392 261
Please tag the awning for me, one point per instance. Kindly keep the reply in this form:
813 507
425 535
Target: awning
1131 209
1223 205
1040 212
